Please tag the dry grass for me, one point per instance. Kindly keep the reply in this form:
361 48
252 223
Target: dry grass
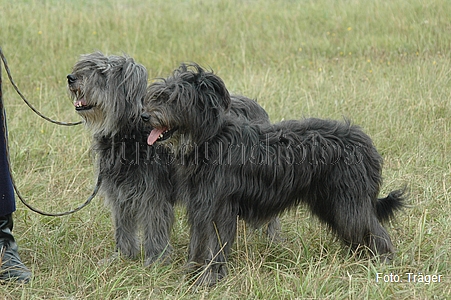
385 65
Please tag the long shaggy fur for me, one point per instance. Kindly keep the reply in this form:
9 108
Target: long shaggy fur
230 166
138 179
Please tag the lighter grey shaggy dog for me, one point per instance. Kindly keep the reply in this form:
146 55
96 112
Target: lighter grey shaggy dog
136 179
138 182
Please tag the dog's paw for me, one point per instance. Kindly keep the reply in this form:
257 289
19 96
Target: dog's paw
161 260
208 278
209 275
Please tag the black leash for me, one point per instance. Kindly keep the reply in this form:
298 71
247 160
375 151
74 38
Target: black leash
5 136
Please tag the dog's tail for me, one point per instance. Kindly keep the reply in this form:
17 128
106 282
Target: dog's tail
386 207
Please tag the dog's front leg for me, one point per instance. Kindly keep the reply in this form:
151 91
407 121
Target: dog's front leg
125 231
157 223
212 234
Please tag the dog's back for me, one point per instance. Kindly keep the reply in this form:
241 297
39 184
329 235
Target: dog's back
250 110
325 157
328 142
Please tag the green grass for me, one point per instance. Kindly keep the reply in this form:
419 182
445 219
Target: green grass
384 64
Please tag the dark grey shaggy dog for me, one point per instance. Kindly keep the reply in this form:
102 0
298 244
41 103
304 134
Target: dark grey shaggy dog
138 182
232 167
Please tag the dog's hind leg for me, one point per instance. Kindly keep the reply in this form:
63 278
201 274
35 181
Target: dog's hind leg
356 224
379 241
157 223
273 230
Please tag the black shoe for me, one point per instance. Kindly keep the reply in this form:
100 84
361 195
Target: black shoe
12 268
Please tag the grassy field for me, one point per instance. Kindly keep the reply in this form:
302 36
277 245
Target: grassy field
384 64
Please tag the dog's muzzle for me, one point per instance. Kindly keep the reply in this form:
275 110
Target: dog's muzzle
160 134
145 117
71 79
80 104
157 134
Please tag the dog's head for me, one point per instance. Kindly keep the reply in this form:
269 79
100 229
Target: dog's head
190 104
107 91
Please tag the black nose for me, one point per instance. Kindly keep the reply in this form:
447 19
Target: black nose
145 117
71 78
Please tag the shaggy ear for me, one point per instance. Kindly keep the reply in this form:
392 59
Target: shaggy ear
135 81
130 80
213 90
204 99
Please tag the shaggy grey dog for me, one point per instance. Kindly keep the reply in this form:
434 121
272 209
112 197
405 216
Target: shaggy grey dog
232 166
138 182
137 179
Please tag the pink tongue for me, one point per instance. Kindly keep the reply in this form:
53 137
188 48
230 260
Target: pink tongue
154 135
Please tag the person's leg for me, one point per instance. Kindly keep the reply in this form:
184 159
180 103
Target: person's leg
11 266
